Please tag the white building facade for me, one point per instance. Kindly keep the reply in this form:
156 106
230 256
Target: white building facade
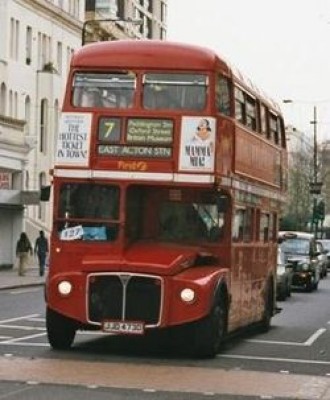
37 40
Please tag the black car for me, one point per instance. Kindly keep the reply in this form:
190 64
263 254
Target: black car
300 250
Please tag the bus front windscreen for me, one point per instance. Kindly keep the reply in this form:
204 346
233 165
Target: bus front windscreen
88 212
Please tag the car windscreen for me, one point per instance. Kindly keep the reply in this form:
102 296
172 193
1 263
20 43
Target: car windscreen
296 246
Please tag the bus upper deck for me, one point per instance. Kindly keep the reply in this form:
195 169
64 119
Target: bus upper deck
149 106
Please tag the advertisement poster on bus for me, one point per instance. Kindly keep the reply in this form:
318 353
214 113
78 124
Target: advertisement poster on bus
197 144
73 139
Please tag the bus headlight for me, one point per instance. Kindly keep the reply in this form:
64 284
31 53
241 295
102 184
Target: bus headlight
64 288
187 295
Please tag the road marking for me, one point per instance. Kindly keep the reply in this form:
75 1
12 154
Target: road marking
4 321
22 327
15 340
23 344
22 291
308 342
274 359
37 319
315 336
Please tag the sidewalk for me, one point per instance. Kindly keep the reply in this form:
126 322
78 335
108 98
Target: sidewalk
9 278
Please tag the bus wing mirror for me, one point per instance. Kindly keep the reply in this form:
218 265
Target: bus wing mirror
222 203
45 193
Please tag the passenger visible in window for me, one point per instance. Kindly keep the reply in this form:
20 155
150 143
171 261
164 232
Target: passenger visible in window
91 97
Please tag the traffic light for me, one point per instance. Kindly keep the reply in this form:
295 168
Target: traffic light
319 213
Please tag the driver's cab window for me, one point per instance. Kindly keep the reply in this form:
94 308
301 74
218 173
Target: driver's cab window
88 212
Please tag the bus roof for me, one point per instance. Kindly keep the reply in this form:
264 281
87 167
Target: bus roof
151 54
147 54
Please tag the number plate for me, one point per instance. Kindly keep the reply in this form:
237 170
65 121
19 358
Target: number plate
124 327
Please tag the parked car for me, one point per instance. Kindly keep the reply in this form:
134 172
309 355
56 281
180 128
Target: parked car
300 250
322 258
284 275
326 246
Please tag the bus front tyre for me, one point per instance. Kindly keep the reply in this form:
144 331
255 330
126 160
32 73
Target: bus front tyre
61 330
210 332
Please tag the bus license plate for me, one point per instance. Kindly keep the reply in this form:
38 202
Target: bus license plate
124 327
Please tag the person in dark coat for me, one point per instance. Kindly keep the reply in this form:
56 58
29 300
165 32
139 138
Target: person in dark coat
41 250
23 248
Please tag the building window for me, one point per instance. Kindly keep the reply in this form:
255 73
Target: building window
28 57
59 57
56 123
11 105
27 115
3 93
43 125
27 180
163 12
15 105
14 39
44 50
42 206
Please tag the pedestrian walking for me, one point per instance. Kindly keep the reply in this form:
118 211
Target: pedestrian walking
41 250
23 248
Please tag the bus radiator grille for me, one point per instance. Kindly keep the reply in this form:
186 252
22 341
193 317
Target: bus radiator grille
124 297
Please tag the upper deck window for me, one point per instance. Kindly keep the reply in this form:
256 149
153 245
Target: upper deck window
251 113
222 91
175 91
263 120
274 128
100 90
239 105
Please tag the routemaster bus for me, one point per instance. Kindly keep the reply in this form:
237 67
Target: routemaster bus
168 184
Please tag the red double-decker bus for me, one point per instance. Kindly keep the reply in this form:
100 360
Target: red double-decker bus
167 190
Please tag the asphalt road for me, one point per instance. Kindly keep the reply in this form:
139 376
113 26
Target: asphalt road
290 361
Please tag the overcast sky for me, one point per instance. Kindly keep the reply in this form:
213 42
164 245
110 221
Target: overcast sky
283 46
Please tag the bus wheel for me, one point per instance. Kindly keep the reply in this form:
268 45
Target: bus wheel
268 311
60 330
210 332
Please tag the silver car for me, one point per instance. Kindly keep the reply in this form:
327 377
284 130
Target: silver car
326 246
283 277
322 256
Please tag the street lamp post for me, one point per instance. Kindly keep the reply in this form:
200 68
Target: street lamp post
315 187
315 166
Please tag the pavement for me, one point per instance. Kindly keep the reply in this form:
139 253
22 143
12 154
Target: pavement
9 278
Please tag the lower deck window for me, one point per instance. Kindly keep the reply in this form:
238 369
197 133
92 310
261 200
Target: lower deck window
88 212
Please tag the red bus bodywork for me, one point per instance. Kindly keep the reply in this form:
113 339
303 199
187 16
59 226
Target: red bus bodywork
136 274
